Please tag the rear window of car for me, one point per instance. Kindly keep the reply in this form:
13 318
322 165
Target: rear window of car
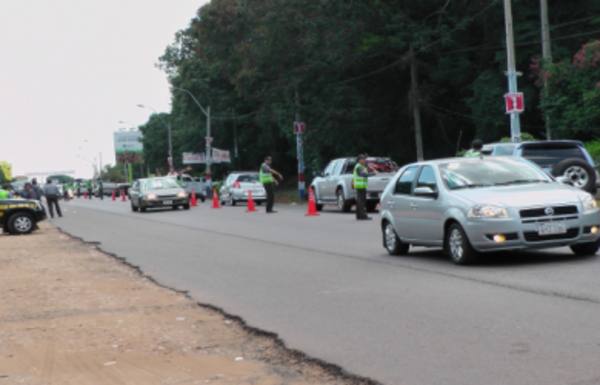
504 150
549 156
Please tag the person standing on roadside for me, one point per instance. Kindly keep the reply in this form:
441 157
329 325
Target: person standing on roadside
89 188
36 188
475 150
5 192
361 179
269 183
78 189
100 185
29 192
51 192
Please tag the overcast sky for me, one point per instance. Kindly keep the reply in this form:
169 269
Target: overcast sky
70 70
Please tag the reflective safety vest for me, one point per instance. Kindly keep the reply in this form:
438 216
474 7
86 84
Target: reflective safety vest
473 154
264 177
359 181
4 194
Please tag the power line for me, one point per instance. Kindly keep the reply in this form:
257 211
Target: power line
574 22
467 117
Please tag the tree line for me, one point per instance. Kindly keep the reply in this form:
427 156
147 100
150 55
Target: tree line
343 67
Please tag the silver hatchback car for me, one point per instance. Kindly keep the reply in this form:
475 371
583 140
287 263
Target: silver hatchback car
472 205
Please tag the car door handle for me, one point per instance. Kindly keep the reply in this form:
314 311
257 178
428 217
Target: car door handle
414 205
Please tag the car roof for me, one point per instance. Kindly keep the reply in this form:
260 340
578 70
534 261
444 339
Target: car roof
243 172
465 160
537 143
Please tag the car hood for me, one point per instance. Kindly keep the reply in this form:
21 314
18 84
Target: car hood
524 196
164 191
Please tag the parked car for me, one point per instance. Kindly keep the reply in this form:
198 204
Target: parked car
190 183
567 158
472 205
237 186
109 187
335 184
157 192
20 216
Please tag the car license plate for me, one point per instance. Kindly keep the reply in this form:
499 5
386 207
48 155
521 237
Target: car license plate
550 228
167 202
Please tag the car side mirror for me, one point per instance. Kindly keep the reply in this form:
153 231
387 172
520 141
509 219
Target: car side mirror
564 180
425 192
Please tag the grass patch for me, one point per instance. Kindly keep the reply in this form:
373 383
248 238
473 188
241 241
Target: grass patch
287 196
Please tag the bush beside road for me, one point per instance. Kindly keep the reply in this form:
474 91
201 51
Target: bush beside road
74 315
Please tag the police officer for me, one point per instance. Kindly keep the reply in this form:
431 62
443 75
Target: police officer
5 192
266 178
78 188
475 150
361 175
51 192
89 188
100 186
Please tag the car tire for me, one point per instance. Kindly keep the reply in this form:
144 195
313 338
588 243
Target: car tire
578 171
319 207
186 206
21 223
258 203
342 205
392 242
458 246
143 209
133 208
585 249
232 202
175 207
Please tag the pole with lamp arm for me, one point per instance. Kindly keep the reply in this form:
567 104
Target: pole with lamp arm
208 137
169 129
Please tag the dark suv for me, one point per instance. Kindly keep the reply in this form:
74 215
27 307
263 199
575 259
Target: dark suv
566 158
20 216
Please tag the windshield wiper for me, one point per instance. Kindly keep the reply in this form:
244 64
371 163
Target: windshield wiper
470 186
520 181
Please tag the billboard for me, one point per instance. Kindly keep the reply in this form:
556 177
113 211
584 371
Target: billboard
220 156
191 158
128 146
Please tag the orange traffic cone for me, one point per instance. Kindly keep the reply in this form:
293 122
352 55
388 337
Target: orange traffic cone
215 200
193 202
250 203
114 198
312 207
85 195
123 195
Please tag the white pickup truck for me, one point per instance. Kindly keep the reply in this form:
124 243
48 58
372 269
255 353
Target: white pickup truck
334 185
198 184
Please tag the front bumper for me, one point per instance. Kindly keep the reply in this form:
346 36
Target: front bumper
160 202
522 233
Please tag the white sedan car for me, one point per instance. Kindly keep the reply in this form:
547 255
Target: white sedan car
239 185
471 205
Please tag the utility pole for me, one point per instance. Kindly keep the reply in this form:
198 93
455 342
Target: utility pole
235 146
515 123
100 161
546 53
416 107
299 150
208 155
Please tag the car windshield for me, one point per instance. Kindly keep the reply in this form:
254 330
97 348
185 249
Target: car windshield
379 164
487 173
504 150
158 184
247 178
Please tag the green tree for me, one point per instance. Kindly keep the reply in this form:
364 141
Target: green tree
113 174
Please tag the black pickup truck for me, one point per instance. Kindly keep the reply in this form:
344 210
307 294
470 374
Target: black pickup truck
20 216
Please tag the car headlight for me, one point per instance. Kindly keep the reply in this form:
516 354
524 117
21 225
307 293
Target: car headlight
589 204
150 196
488 211
182 194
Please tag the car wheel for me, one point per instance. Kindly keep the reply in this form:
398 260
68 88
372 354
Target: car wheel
186 206
232 202
341 202
175 207
459 247
133 208
584 249
578 172
258 203
319 207
143 209
21 223
392 242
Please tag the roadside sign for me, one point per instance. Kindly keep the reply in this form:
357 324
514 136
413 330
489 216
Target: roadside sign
170 160
299 127
514 102
208 139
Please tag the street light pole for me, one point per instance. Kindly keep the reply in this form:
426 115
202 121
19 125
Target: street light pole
515 123
169 129
208 137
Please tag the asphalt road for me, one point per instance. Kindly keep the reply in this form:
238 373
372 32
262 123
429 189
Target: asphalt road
327 287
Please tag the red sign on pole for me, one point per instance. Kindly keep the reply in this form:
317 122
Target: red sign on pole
170 160
514 102
299 127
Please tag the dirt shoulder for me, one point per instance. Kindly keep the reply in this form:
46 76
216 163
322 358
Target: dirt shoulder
70 314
